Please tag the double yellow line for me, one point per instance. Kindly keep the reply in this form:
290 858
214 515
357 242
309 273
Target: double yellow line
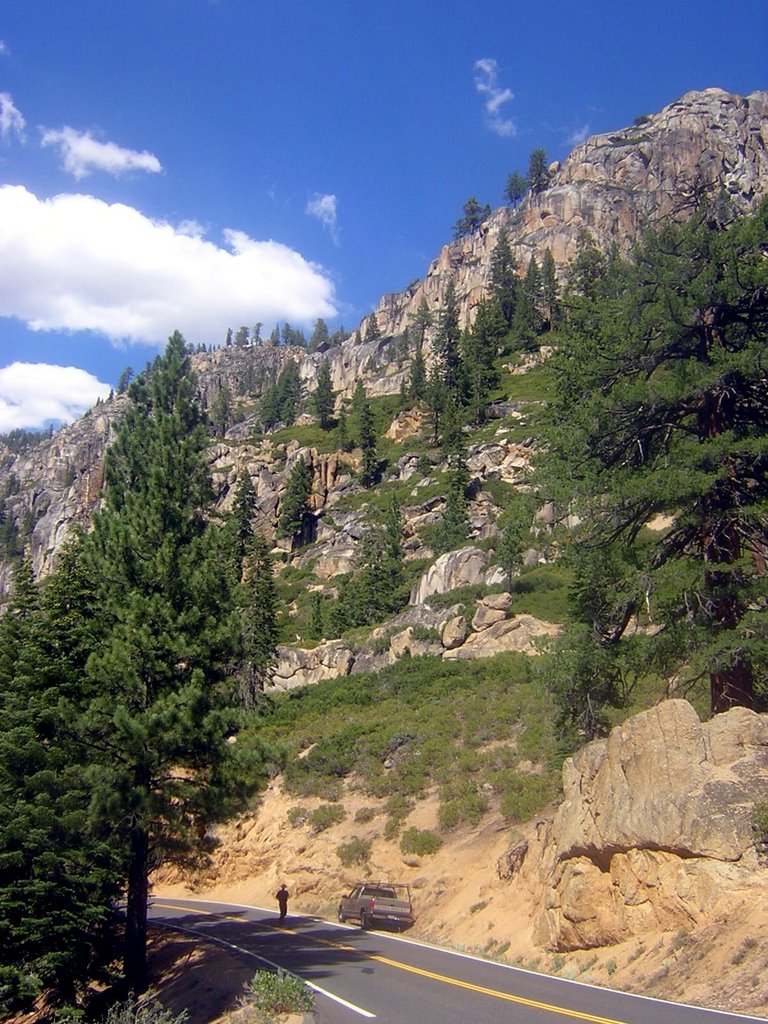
445 979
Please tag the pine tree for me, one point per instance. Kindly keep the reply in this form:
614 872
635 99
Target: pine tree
319 340
369 470
417 383
324 397
454 528
421 321
504 280
661 411
550 292
166 636
480 347
60 869
258 609
294 506
446 345
538 172
527 322
515 189
474 215
372 330
343 440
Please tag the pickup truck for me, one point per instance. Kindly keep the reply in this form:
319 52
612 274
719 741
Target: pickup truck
378 903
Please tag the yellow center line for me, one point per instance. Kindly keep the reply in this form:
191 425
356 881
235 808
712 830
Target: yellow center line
469 986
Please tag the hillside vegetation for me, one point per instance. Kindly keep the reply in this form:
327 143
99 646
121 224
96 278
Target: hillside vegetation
136 677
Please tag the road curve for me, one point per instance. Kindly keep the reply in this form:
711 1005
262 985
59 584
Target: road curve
359 975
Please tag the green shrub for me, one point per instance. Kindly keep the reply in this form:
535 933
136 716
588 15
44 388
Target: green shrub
421 843
143 1011
366 814
325 816
464 810
278 993
356 851
298 816
523 796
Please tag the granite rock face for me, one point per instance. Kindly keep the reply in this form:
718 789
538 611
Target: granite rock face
655 824
613 185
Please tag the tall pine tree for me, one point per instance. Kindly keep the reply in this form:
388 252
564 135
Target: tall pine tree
167 634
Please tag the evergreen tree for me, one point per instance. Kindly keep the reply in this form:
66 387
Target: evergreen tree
527 322
343 441
221 411
417 384
421 321
504 280
369 470
316 628
60 870
125 379
480 347
550 292
454 528
538 172
372 330
241 337
319 340
662 410
241 521
588 268
166 635
377 585
324 397
515 189
474 215
294 506
359 397
282 403
514 534
257 601
447 347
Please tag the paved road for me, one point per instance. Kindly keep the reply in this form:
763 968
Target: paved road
360 976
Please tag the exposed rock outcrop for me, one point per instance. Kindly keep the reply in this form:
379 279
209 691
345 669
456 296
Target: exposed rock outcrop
655 824
613 185
455 569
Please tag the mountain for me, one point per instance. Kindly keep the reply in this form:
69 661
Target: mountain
613 186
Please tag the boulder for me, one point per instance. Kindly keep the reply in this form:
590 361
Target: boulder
455 632
298 667
655 825
516 634
455 569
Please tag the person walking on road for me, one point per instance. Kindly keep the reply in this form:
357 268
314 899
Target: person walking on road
281 896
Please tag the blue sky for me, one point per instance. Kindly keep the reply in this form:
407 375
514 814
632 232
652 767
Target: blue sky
201 164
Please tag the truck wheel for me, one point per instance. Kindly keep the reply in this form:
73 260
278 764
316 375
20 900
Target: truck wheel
341 915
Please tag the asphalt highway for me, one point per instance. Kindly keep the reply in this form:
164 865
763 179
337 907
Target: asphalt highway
373 975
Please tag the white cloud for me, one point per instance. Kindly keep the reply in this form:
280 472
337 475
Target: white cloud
486 83
11 120
3 47
33 394
81 154
323 207
577 136
76 263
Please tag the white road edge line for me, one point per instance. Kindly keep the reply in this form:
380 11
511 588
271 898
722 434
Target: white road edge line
277 967
744 1017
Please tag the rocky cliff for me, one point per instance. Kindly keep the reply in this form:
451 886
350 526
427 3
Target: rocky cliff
613 185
